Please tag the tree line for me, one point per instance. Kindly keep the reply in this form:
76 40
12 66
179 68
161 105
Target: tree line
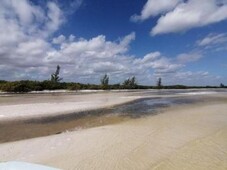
56 83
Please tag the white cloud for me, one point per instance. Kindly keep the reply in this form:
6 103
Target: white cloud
213 40
154 7
195 78
21 20
191 14
165 66
150 57
24 11
55 17
59 40
73 6
189 57
127 39
158 63
97 46
179 15
24 32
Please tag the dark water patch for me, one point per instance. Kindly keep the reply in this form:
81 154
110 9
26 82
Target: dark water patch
149 106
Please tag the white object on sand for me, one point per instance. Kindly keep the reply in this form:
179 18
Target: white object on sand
15 165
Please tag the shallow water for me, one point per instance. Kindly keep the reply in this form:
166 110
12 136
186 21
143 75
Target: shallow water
163 92
149 106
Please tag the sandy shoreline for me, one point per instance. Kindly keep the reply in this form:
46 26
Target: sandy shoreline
25 106
31 106
191 136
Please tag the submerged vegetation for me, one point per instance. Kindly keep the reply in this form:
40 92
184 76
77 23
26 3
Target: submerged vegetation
55 83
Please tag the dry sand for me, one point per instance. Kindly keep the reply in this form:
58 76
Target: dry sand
184 137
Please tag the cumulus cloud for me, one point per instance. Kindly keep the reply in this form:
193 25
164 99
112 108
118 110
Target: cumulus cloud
191 14
94 48
24 32
160 64
153 8
178 16
24 19
58 40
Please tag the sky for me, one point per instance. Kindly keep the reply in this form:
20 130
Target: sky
181 41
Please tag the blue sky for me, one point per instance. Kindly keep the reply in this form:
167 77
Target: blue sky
183 42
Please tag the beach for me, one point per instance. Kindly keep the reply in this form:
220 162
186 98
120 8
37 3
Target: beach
117 130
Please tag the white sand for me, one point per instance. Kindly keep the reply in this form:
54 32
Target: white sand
26 106
183 138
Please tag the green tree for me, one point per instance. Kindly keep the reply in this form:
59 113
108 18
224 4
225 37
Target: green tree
130 83
126 82
133 83
222 85
55 76
159 83
105 81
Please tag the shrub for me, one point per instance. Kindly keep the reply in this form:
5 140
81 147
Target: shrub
16 87
74 86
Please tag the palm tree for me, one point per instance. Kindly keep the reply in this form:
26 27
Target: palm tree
55 76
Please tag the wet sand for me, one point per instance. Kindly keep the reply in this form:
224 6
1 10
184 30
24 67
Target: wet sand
188 136
20 130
